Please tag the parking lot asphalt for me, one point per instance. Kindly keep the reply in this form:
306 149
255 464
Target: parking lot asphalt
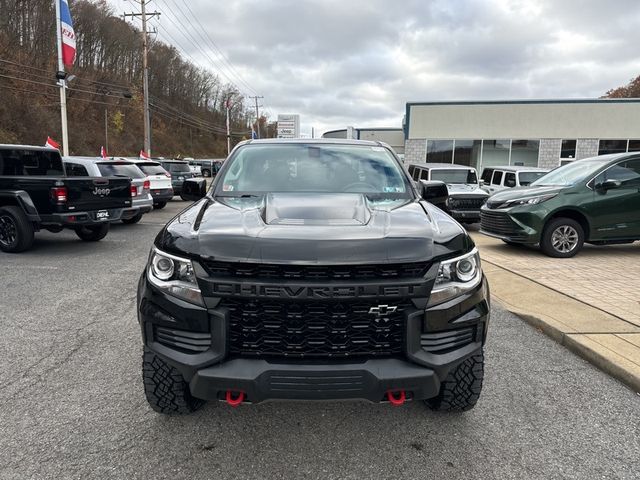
72 404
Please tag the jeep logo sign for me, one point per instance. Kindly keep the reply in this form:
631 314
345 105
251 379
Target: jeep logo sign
101 191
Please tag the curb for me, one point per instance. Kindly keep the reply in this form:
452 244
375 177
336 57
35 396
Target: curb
576 341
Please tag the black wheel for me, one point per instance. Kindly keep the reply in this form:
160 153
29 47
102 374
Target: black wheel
93 233
132 220
185 199
165 388
461 389
16 231
562 238
159 205
206 172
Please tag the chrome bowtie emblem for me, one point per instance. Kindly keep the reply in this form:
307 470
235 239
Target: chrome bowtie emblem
382 310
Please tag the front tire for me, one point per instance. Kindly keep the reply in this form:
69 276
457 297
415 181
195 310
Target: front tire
206 173
562 238
16 231
461 389
93 233
165 388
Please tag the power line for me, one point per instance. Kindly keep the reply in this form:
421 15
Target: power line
215 46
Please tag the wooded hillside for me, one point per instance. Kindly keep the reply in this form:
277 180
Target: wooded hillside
187 102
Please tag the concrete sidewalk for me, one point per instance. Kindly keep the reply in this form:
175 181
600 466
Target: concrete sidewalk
590 303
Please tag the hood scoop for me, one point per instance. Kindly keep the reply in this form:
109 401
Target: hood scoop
323 209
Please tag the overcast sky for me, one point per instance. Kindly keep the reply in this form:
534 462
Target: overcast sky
357 62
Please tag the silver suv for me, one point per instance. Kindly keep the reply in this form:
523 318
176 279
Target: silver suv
465 195
141 199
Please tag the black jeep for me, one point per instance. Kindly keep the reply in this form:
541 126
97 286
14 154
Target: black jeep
313 270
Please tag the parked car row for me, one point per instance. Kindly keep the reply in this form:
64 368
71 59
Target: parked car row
594 200
39 190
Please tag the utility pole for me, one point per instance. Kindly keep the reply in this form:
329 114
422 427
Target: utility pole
228 106
106 130
145 68
256 98
61 76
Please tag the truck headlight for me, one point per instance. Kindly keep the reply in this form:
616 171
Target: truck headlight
174 276
456 277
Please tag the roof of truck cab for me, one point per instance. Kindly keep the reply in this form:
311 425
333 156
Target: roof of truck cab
7 146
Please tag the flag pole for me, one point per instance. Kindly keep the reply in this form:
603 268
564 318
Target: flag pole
62 83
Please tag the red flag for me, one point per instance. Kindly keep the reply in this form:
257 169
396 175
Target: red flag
52 143
144 155
103 152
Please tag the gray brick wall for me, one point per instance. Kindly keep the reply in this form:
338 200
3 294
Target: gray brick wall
549 154
415 150
586 147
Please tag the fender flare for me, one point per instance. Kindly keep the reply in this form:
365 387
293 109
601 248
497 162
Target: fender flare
23 199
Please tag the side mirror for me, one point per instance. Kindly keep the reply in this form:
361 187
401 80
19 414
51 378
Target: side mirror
435 192
482 183
194 189
609 184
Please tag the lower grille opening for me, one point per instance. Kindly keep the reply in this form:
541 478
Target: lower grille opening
183 340
280 329
447 341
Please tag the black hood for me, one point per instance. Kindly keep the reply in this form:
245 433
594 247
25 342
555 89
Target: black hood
313 229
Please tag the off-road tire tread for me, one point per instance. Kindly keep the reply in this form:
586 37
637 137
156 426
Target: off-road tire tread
461 389
165 388
24 227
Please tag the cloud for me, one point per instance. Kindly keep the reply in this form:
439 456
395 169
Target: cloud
339 62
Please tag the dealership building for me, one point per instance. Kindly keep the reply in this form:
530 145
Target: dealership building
543 133
392 136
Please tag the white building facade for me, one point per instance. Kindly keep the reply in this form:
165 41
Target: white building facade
544 133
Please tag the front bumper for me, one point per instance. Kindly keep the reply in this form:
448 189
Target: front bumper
511 225
467 216
211 371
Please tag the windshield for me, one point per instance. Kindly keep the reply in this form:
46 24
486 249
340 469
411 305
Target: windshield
179 167
128 170
570 174
152 169
313 168
527 178
455 176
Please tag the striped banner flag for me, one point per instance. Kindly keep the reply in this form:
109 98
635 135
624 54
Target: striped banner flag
68 35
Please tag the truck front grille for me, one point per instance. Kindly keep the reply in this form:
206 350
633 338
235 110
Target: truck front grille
457 203
314 273
281 329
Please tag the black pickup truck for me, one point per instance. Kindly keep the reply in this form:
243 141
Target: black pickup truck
313 270
35 194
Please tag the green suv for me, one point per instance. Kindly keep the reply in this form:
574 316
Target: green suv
595 200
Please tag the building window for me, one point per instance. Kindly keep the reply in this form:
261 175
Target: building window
568 149
612 146
495 152
467 152
525 152
634 146
440 151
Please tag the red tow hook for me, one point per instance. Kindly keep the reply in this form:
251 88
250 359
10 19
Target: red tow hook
394 400
234 402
